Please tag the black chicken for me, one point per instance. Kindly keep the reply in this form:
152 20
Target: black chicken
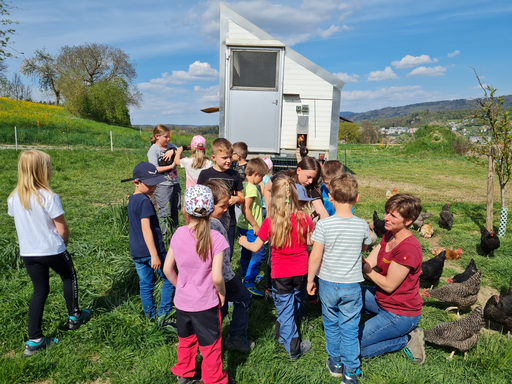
431 270
446 216
499 309
378 225
489 241
468 272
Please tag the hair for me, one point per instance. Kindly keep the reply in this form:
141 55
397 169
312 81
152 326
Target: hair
223 145
199 155
219 189
33 171
285 201
159 130
331 168
307 164
203 236
241 148
343 188
408 206
256 165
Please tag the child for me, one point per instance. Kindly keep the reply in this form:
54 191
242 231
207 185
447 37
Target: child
288 229
264 183
146 242
221 156
343 237
196 162
249 223
330 169
43 236
198 253
236 292
168 192
239 158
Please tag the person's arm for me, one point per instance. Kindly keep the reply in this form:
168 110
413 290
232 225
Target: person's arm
267 194
320 209
62 228
178 157
261 188
364 247
236 199
249 216
389 283
166 168
217 278
168 270
147 233
253 247
372 257
315 259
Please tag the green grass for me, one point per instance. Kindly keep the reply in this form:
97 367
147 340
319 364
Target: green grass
119 345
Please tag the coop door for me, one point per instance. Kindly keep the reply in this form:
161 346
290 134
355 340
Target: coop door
254 94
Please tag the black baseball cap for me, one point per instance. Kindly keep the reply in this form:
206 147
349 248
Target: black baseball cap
147 173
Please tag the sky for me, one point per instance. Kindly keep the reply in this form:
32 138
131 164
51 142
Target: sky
389 52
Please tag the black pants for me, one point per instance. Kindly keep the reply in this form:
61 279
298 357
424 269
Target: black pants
38 268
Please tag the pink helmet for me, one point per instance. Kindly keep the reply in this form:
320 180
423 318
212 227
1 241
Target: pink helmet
198 142
268 162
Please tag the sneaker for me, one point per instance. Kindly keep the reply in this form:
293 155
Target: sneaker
415 349
335 369
351 377
31 348
258 278
305 347
268 295
254 291
188 380
239 343
171 323
76 322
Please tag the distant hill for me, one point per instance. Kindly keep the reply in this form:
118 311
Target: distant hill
433 106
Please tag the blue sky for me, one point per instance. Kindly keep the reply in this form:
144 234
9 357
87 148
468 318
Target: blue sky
389 52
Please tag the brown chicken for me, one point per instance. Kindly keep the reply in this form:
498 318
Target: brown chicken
460 295
391 193
427 231
461 334
451 254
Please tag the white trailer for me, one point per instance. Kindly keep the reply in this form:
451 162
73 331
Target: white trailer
271 95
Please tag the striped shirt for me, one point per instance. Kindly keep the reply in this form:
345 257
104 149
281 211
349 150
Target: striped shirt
343 238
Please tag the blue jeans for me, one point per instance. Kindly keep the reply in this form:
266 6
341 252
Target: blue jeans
147 287
250 261
241 298
341 309
386 331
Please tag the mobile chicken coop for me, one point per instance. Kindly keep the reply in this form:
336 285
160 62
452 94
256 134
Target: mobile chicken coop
270 95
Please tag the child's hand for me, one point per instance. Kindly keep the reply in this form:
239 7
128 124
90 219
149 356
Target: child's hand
366 267
311 288
256 229
234 200
155 262
242 240
169 154
222 299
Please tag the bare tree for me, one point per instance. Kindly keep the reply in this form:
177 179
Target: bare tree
15 89
368 134
43 68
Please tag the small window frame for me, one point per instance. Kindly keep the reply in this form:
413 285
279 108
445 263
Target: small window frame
245 88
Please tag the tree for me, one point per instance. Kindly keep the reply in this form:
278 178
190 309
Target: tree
43 67
4 33
368 134
496 140
15 89
349 132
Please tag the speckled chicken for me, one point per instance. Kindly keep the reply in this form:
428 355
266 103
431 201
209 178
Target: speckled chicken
446 216
499 309
460 295
431 270
468 272
378 225
421 219
462 334
489 241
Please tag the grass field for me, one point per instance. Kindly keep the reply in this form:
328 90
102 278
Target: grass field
120 346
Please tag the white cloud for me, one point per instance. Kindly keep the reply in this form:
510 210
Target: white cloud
413 61
428 71
328 32
197 72
386 74
454 53
210 94
346 77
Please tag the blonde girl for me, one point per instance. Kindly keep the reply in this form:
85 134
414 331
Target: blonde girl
198 252
168 193
288 229
196 162
43 235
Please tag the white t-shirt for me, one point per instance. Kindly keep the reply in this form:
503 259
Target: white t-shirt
37 234
192 173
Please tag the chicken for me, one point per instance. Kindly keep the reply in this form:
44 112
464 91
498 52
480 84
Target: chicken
489 241
421 219
391 193
446 216
451 254
461 295
431 270
378 225
373 236
468 272
499 309
427 231
461 334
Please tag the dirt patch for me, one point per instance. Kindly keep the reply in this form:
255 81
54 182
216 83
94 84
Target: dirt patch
433 242
484 295
10 355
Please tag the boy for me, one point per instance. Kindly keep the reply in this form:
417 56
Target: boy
249 223
146 242
330 169
239 158
222 150
235 290
343 236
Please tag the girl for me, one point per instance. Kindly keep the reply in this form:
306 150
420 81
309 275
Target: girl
196 162
287 228
43 235
168 193
198 253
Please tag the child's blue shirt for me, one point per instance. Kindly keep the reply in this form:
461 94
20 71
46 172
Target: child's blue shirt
325 198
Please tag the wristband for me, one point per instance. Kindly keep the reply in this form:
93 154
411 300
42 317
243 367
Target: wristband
241 196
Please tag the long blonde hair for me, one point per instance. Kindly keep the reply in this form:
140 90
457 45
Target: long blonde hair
160 129
285 201
33 174
203 236
199 155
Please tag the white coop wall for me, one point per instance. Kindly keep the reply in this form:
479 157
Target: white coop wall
236 32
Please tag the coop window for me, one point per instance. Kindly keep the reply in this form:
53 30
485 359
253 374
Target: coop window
254 70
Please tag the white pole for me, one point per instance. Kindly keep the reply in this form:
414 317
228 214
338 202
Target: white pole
16 137
111 144
140 130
